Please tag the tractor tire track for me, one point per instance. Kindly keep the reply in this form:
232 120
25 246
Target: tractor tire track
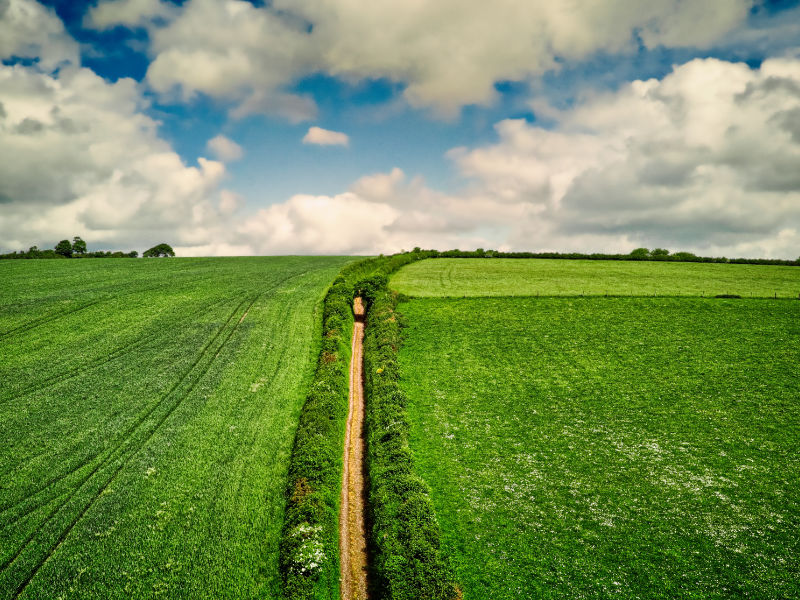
56 315
122 454
131 429
49 318
126 435
115 354
125 454
122 437
128 454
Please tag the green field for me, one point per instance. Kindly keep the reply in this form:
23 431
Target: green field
594 447
148 409
458 277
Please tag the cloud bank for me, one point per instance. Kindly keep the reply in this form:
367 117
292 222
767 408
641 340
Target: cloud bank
447 53
79 156
704 159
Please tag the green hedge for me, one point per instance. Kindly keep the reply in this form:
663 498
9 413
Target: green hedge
309 552
309 549
408 560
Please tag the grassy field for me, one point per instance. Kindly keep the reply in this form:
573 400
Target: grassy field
458 277
609 447
148 410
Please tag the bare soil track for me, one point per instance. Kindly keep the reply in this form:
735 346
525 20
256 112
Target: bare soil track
352 527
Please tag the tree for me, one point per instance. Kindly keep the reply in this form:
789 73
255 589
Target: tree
660 252
160 250
64 248
640 253
78 245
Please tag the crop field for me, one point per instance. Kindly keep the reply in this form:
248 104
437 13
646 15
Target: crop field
609 447
458 277
147 413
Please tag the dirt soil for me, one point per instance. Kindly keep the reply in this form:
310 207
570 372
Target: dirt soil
352 527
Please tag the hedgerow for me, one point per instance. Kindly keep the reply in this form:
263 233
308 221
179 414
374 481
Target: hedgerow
309 541
309 551
408 560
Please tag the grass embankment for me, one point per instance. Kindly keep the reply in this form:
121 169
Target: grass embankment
309 547
595 447
147 412
458 277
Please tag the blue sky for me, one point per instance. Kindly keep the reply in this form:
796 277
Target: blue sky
458 124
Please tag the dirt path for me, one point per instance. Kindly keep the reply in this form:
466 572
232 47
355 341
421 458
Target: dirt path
352 527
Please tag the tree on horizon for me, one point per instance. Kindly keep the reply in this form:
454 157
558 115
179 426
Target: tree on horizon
161 250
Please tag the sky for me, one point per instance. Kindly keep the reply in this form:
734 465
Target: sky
228 127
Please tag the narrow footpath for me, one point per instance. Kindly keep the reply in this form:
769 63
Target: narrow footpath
352 525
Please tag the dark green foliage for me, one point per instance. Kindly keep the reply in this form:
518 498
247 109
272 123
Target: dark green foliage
640 254
64 248
77 249
161 250
309 541
309 550
78 245
409 563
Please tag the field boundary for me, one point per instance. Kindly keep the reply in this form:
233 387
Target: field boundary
634 256
409 561
598 295
309 547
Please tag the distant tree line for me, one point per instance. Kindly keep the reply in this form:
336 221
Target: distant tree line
77 249
640 254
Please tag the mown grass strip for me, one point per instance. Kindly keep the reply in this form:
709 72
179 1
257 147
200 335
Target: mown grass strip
459 277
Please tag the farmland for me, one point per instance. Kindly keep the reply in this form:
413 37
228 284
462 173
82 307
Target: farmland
148 410
631 447
599 446
457 277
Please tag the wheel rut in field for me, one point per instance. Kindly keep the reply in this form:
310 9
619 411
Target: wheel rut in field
352 521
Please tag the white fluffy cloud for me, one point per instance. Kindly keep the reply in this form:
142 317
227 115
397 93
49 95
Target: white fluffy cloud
131 13
247 56
325 137
29 30
78 156
703 160
225 148
449 53
706 157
